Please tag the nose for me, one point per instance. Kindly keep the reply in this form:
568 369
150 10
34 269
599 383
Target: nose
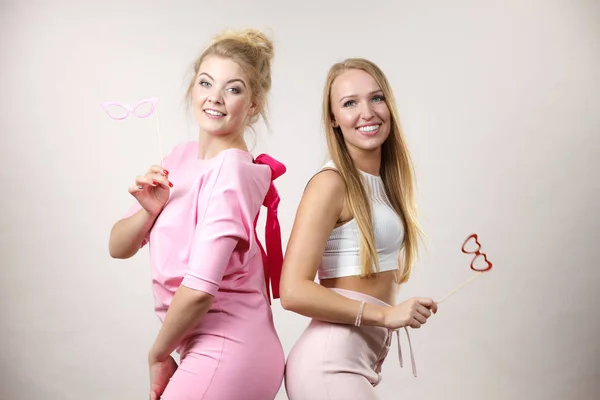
215 97
366 112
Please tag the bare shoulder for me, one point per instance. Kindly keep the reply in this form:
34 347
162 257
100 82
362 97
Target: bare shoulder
319 210
328 184
324 195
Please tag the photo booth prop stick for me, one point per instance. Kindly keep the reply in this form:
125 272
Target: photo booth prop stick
142 109
477 253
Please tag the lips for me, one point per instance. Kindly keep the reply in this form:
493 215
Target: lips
214 113
368 130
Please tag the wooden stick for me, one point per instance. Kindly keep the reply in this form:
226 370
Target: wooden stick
162 164
471 279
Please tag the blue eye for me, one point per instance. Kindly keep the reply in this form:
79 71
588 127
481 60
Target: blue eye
203 83
349 103
234 90
378 98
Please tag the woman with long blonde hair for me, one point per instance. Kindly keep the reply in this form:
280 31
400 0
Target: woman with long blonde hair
356 227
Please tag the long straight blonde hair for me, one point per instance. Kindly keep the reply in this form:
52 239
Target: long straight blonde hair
397 173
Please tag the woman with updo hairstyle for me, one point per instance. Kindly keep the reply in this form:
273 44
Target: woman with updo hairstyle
211 276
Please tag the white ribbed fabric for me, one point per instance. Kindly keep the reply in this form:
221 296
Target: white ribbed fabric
342 250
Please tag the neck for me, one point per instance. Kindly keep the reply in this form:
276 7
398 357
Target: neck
210 145
366 161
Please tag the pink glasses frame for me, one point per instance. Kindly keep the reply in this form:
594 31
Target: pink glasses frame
132 109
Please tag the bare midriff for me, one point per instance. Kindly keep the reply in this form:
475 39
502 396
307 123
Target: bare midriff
382 286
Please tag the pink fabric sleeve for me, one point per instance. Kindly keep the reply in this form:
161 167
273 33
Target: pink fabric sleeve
225 222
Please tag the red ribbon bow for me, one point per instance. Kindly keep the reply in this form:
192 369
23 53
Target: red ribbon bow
273 257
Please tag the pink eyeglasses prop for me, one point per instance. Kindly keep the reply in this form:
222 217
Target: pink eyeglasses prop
142 109
480 270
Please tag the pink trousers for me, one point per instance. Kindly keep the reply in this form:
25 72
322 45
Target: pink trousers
339 362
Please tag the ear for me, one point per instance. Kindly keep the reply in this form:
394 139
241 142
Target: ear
334 123
252 109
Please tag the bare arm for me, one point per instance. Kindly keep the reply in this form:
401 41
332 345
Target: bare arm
152 193
318 212
128 234
186 310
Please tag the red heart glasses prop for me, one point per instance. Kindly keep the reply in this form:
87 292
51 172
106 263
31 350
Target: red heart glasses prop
477 253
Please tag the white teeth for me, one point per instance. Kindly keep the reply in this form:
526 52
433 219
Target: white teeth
213 112
369 128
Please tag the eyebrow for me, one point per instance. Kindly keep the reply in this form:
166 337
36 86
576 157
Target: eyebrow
353 95
229 81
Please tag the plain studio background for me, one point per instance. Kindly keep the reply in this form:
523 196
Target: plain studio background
499 102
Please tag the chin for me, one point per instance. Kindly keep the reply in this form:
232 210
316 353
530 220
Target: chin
370 144
212 131
217 130
374 147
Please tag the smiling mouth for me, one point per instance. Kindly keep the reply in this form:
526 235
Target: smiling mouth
214 113
369 129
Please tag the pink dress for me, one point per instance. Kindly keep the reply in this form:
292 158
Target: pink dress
205 239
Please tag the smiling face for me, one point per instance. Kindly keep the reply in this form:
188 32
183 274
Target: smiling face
221 97
359 110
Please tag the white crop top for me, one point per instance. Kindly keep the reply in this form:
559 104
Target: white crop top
342 250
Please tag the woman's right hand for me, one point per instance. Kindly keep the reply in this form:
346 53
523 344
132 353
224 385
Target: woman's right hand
152 190
413 312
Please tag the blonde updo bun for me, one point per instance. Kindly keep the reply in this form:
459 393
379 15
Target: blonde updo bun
251 37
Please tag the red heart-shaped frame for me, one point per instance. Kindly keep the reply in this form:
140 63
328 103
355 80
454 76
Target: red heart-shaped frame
489 264
477 253
472 236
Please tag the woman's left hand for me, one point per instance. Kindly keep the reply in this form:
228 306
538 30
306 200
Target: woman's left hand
160 373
